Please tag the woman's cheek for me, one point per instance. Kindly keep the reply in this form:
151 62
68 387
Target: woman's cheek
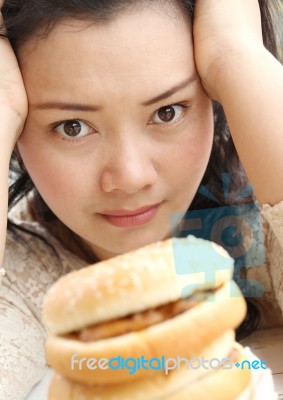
196 153
193 153
56 174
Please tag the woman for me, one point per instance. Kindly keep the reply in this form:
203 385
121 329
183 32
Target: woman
114 126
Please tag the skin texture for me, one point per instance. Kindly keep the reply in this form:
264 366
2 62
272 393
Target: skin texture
13 107
221 35
126 157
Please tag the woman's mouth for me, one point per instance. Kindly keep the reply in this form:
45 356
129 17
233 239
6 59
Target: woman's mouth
127 218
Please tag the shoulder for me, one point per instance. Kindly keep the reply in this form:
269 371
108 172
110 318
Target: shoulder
268 268
34 259
272 217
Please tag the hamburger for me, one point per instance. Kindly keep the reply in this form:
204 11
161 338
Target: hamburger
168 299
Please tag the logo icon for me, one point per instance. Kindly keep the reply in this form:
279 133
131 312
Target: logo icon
237 228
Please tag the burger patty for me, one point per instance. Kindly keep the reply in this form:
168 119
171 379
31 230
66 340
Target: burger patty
140 320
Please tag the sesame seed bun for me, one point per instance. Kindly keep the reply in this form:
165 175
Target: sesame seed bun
134 283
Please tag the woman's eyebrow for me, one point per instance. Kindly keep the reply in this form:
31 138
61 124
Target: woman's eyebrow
57 105
176 88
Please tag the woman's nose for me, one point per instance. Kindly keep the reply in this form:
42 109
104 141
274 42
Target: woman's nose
129 167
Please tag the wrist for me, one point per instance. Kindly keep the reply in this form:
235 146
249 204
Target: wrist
11 127
230 64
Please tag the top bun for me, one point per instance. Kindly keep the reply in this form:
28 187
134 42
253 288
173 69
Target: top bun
133 282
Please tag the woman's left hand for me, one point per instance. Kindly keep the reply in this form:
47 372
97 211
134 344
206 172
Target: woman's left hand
223 29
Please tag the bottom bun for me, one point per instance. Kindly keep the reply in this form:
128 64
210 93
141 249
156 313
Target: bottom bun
181 384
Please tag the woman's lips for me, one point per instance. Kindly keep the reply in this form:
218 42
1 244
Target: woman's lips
126 219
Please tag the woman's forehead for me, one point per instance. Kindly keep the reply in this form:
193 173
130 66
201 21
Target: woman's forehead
133 49
147 18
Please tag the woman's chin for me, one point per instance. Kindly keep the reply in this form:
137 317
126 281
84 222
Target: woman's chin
114 247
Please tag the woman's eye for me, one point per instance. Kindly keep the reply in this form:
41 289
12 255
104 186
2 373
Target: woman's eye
169 114
73 129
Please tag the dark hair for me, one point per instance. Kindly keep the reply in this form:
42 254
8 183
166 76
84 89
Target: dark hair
29 18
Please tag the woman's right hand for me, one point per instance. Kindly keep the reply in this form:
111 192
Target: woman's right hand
13 98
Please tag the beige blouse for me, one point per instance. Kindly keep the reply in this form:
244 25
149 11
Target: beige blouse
31 267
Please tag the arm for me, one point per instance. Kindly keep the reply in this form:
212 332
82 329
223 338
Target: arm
9 127
247 80
13 110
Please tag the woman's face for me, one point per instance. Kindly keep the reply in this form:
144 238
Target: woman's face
119 130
